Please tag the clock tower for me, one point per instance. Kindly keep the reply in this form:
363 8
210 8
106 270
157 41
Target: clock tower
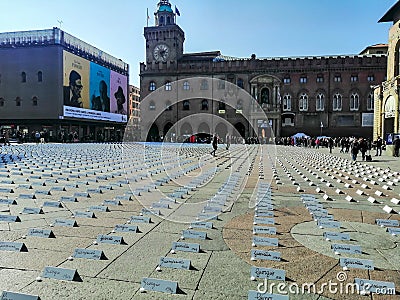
164 41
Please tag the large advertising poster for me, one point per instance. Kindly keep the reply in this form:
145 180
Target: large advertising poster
119 93
76 81
92 91
99 88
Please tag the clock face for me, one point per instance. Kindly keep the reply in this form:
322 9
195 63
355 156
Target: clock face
161 52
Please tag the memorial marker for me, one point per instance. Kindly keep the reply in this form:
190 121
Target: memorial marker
140 219
126 228
52 204
65 222
94 191
110 239
146 211
346 248
158 285
264 213
58 188
13 246
265 221
89 254
123 197
60 273
26 196
205 225
6 295
68 199
84 214
215 209
265 241
101 208
32 210
357 263
328 224
255 295
9 218
337 236
374 286
393 230
160 205
8 201
112 202
42 192
386 222
82 194
191 234
43 233
268 273
264 230
265 255
175 263
186 247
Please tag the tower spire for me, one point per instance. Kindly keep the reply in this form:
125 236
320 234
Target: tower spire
164 15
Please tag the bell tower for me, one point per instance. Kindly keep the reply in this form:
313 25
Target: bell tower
164 40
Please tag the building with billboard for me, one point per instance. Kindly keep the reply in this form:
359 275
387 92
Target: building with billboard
329 95
54 83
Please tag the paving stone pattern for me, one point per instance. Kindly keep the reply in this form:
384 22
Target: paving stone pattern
170 221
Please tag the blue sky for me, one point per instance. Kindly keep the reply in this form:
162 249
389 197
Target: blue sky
236 28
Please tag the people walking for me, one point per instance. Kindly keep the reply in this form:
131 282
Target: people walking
331 144
396 144
7 138
355 147
363 147
228 141
378 145
214 144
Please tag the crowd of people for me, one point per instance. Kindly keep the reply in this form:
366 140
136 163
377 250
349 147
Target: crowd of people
351 145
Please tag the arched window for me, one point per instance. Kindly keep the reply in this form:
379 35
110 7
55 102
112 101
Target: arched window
204 84
204 104
152 86
34 101
161 20
2 101
40 76
221 105
287 102
370 101
320 102
303 102
337 102
168 86
264 96
240 83
23 77
168 106
186 105
18 101
152 105
186 86
354 101
239 104
168 20
286 79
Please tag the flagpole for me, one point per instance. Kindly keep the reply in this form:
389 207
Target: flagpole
147 19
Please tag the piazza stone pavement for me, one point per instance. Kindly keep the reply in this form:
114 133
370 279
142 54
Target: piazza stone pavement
170 221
